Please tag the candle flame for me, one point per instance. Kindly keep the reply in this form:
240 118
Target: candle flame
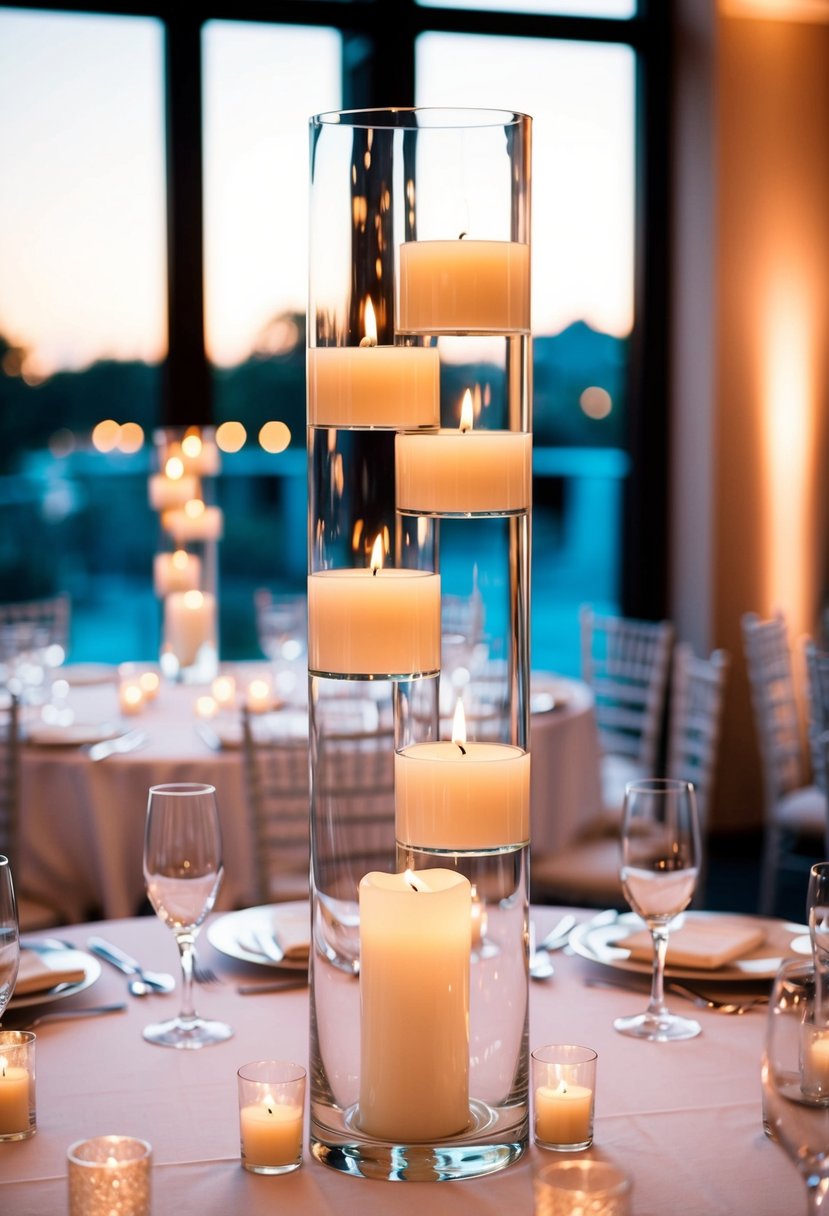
417 884
174 468
467 415
3 1063
459 726
180 559
376 562
561 1088
194 508
193 599
191 444
370 324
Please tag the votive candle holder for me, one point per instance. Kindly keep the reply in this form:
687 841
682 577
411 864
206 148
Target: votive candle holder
18 1116
271 1115
109 1176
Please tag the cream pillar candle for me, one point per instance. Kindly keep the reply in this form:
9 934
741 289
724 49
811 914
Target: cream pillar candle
375 621
414 1004
189 623
165 492
464 286
193 521
200 456
271 1132
177 571
463 471
462 795
373 386
564 1114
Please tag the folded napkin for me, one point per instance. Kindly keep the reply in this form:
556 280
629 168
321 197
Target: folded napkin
707 944
293 935
40 972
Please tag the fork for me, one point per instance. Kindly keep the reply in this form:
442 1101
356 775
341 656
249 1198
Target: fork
204 975
698 998
61 1015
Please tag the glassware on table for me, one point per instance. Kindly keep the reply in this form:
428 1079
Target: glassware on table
795 1078
271 1114
586 1185
817 917
661 853
109 1175
182 874
9 935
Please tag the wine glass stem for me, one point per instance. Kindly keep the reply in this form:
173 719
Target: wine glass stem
817 1190
656 1005
186 943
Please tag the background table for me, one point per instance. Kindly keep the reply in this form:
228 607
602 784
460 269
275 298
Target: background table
682 1119
83 822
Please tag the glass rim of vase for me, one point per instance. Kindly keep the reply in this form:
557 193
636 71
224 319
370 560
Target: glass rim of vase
139 1149
421 117
657 785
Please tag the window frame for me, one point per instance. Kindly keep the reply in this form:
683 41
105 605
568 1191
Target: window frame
379 69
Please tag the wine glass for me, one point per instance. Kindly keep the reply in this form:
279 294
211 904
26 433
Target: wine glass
817 915
795 1078
660 861
182 873
9 936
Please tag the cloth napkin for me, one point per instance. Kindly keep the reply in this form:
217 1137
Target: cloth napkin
292 932
707 944
40 972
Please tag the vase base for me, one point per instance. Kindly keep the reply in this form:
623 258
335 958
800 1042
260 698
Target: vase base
417 1162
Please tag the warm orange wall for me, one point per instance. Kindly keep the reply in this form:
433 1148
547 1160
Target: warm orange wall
771 361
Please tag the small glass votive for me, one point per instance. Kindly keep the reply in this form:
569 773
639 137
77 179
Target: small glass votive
564 1089
271 1113
109 1176
581 1188
18 1119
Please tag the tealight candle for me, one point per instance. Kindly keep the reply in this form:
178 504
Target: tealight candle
177 571
373 622
17 1084
415 939
206 707
271 1110
564 1087
464 471
373 386
150 682
224 691
462 795
464 286
259 698
166 492
130 697
193 522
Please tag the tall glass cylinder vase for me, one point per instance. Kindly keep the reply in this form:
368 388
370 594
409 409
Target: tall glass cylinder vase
185 572
420 447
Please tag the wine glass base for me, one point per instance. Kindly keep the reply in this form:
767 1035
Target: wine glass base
196 1033
662 1028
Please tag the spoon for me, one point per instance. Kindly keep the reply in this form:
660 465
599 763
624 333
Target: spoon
540 966
142 983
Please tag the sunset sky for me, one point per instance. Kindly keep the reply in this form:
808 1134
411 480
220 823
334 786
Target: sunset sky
82 227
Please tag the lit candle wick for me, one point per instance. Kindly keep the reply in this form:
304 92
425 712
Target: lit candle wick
371 325
459 727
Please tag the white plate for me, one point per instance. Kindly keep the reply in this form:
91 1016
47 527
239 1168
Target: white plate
81 674
595 940
233 933
76 734
63 959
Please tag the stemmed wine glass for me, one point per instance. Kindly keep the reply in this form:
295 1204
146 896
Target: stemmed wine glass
9 936
795 1077
182 873
661 852
817 913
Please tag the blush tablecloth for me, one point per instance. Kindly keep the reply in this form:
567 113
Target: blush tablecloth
82 822
682 1119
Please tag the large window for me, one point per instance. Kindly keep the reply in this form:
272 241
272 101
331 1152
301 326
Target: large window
89 287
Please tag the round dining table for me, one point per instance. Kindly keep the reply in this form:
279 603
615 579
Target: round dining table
682 1120
82 819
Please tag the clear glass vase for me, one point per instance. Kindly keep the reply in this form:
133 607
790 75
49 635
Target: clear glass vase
420 451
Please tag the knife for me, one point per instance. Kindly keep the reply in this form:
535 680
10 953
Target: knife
129 742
